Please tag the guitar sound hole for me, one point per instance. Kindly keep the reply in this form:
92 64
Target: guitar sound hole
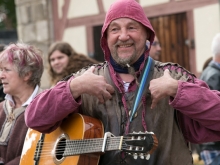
61 145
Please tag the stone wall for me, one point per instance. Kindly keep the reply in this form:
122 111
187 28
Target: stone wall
34 26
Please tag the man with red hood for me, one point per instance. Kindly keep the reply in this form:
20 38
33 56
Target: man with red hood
175 105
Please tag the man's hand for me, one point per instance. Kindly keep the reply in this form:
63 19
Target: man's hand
91 84
162 87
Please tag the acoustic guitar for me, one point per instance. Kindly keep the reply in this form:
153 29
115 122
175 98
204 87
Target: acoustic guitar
80 140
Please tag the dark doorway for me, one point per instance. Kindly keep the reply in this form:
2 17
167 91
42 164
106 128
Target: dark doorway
98 55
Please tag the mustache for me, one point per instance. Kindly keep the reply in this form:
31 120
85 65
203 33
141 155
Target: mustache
123 43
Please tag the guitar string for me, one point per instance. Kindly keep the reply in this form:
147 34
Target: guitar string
72 146
84 141
95 139
74 142
46 154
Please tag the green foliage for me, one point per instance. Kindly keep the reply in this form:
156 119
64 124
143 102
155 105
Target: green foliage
7 8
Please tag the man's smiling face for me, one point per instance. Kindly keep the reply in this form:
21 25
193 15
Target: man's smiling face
126 40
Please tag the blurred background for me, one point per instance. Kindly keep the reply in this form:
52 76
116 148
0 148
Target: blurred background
185 28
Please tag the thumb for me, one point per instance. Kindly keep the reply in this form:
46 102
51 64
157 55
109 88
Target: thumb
167 73
91 69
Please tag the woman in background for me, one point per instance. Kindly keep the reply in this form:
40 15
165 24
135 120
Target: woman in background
63 61
21 68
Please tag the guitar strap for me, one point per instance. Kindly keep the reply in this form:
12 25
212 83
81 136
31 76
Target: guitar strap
145 78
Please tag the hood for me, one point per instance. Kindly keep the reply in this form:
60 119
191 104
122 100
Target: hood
124 9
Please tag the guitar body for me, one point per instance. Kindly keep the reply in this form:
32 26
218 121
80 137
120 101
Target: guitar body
76 126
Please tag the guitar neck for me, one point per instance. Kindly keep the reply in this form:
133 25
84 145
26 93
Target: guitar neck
77 147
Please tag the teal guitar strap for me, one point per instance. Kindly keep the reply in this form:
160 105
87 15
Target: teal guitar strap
145 78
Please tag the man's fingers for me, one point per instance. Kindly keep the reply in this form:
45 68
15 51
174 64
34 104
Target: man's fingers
99 87
154 103
106 95
110 89
101 99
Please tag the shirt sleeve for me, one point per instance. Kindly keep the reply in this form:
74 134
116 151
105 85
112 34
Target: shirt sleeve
46 112
198 111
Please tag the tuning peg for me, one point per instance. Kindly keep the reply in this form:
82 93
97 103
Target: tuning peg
147 156
135 156
141 156
149 132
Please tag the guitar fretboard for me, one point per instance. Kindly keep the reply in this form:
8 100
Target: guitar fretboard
77 147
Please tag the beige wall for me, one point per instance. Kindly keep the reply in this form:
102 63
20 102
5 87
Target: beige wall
152 2
84 8
77 38
207 24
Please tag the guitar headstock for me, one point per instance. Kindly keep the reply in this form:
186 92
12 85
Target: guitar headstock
140 144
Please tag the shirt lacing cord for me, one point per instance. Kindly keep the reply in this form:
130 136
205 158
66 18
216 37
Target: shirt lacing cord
123 158
11 118
123 123
123 120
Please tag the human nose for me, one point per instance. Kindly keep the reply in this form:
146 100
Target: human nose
1 74
158 47
123 35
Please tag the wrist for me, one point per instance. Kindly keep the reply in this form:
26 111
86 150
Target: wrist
173 88
76 87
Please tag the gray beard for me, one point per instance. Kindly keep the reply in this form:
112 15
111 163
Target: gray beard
122 62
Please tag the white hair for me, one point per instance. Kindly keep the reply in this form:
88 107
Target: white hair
216 45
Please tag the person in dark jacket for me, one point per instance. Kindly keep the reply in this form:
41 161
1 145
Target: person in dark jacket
2 94
210 152
206 63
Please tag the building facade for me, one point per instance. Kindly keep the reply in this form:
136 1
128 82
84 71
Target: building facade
185 27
